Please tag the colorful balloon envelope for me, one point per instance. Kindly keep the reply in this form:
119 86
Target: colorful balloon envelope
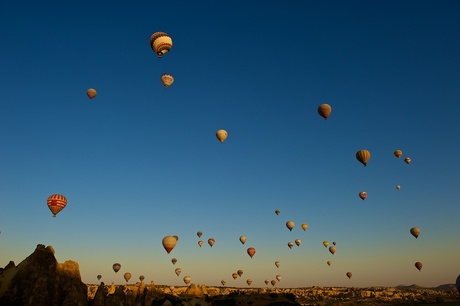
200 243
277 212
161 43
290 225
278 277
363 156
56 203
167 79
242 239
178 271
223 282
199 234
187 279
99 277
304 226
235 275
116 267
273 282
211 241
349 274
249 282
141 278
363 195
251 251
332 249
325 243
419 265
277 264
397 153
91 93
415 231
169 242
298 242
221 135
127 276
324 110
407 160
290 244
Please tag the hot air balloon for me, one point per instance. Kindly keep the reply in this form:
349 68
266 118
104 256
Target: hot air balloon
334 243
407 160
398 187
240 272
415 231
211 241
251 251
169 242
178 271
199 234
174 260
273 282
235 275
290 225
167 79
99 277
249 282
277 212
187 279
363 195
398 153
278 277
223 282
290 244
91 92
116 267
161 43
324 110
349 274
127 276
329 263
332 250
200 243
242 239
363 156
277 264
418 265
56 203
304 226
325 243
221 135
141 278
267 282
298 242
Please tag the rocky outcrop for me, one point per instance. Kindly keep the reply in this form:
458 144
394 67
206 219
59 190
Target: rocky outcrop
40 280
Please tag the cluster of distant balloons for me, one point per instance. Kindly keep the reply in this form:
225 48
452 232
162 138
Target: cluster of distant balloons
161 43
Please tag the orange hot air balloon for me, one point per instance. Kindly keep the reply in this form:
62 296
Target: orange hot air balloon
249 282
277 212
273 282
415 231
349 274
116 267
127 276
329 263
200 243
407 160
419 265
161 43
363 195
324 110
363 156
251 251
277 264
91 93
211 241
199 234
56 203
240 272
290 225
304 226
397 153
169 242
167 79
174 260
221 135
290 244
242 239
332 250
235 275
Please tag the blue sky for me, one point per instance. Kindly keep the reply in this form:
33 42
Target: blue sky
139 161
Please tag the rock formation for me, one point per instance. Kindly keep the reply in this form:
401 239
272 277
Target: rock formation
40 280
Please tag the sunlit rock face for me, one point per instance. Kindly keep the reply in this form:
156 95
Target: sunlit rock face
40 280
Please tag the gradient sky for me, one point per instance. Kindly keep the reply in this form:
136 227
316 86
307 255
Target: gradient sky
139 161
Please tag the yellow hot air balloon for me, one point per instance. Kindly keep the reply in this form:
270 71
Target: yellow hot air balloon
298 242
290 244
169 242
277 264
407 160
200 243
187 279
91 93
349 274
325 243
249 282
127 276
56 203
324 110
363 195
363 156
221 135
242 239
397 153
211 241
167 79
332 250
415 231
304 226
419 265
161 43
290 225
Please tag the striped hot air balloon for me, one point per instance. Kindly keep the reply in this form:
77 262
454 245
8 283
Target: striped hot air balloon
56 203
167 79
363 156
161 43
